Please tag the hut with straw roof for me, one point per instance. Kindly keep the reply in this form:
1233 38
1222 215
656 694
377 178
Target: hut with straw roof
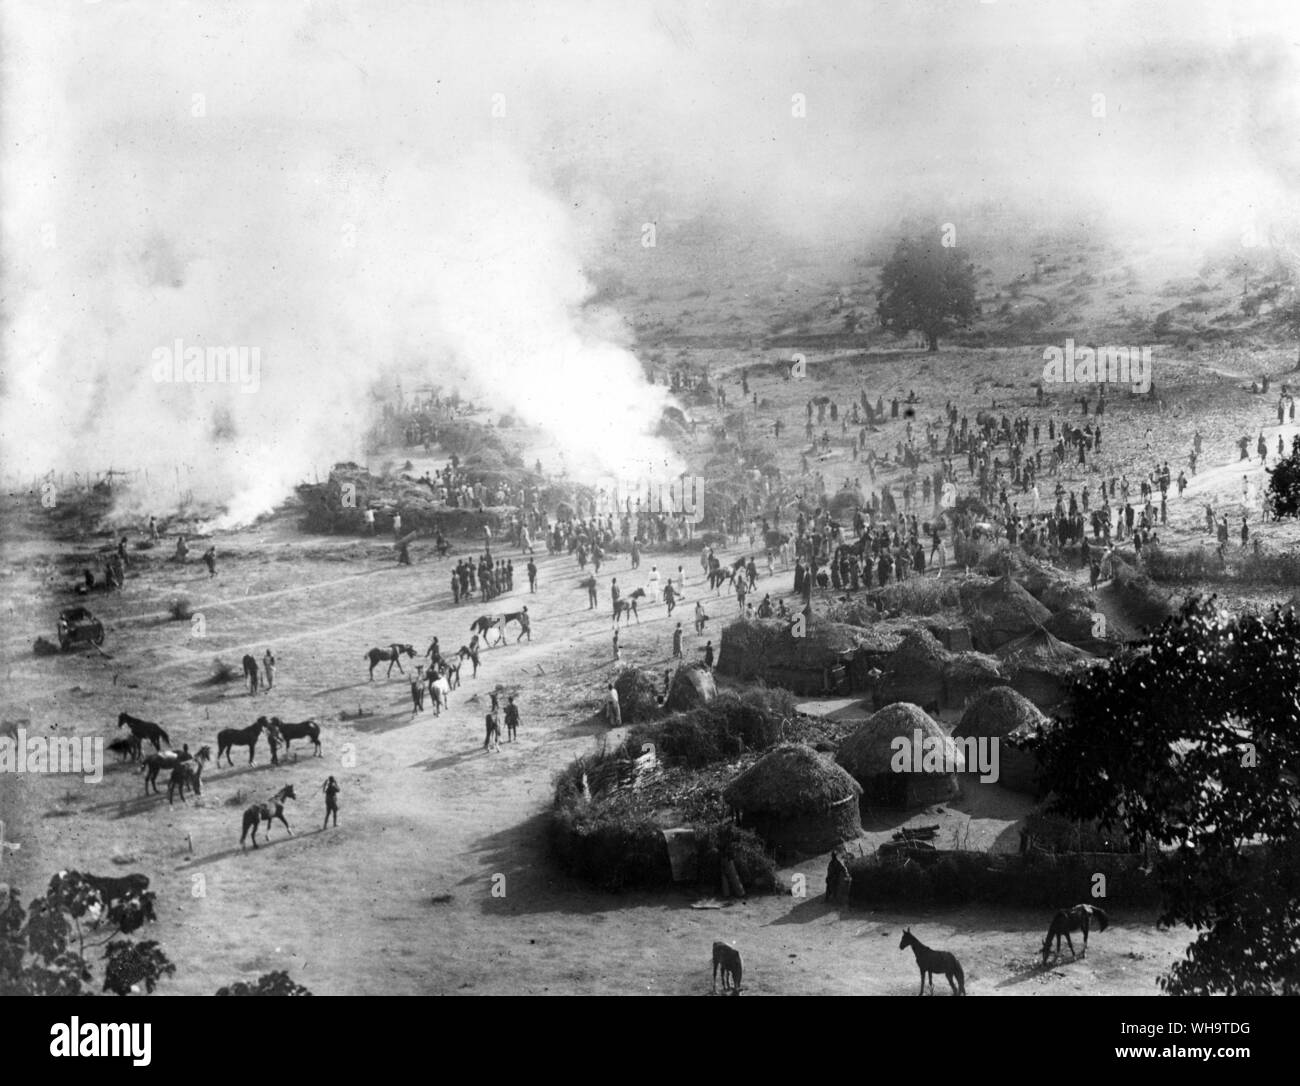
1002 612
922 671
1039 665
902 758
1008 716
797 800
817 663
692 685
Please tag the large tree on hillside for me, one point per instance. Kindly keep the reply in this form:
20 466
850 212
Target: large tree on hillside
1192 741
926 287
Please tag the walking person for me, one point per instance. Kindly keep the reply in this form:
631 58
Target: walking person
613 715
268 665
331 790
677 642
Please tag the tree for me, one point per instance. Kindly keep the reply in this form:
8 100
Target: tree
1283 496
268 984
926 287
1191 741
37 952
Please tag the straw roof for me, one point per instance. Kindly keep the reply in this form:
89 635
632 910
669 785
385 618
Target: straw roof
999 712
1004 611
1038 648
869 751
791 780
691 686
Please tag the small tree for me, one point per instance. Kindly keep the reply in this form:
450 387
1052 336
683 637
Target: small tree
43 948
1191 742
926 287
268 984
1283 495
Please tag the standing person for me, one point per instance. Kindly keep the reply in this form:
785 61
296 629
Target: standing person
512 719
210 560
268 665
153 529
417 691
331 790
617 655
677 642
670 597
370 529
612 713
708 655
532 575
700 617
652 584
397 525
455 587
492 725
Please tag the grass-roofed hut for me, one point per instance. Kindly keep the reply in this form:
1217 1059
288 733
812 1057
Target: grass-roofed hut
916 670
1004 714
1040 666
797 800
767 649
869 756
691 685
1002 612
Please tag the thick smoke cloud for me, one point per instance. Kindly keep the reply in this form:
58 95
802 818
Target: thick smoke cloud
355 191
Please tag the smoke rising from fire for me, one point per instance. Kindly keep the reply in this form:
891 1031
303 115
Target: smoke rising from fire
366 191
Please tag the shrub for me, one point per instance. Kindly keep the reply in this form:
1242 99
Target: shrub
181 609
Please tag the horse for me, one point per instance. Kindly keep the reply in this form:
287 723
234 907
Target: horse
250 672
156 763
729 959
189 774
392 655
483 623
1079 918
521 617
440 692
240 737
267 812
111 888
463 654
451 668
127 747
304 729
624 608
934 961
718 577
144 731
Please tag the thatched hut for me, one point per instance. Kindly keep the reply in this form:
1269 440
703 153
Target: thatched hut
915 672
797 800
744 645
1002 612
967 675
1006 715
887 769
767 649
639 694
1040 665
691 687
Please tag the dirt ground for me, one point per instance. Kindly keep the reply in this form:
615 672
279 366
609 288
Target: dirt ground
437 879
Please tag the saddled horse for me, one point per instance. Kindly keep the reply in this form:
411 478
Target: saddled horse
267 812
250 672
934 961
156 763
391 655
189 774
241 737
145 731
1079 918
304 729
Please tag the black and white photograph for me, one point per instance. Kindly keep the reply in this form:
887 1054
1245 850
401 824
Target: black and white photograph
652 498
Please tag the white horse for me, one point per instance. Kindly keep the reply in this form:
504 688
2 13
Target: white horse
441 691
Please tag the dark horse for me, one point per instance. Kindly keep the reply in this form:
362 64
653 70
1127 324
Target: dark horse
250 673
934 961
241 737
521 617
483 623
112 888
156 763
305 729
144 731
623 608
392 655
1080 918
267 812
189 775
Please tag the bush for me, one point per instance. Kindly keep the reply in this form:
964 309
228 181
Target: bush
181 609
